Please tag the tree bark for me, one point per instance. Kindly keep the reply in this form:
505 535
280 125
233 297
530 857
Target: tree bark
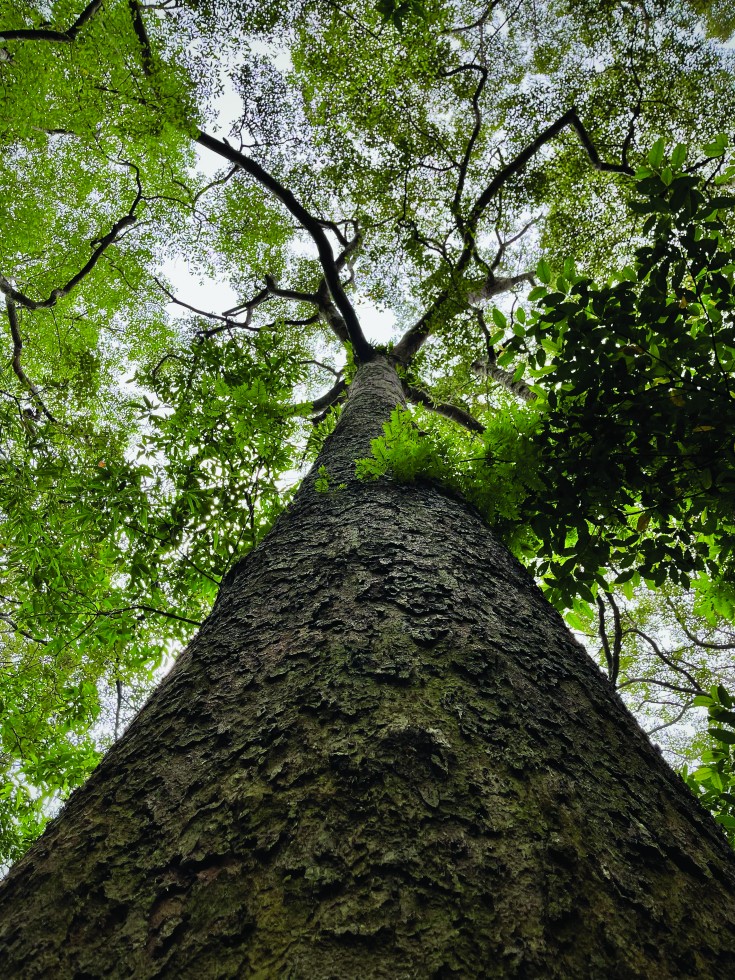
383 755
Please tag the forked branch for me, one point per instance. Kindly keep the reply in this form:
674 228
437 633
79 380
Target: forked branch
447 303
101 245
314 226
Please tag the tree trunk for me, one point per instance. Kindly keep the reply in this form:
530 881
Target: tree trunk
383 755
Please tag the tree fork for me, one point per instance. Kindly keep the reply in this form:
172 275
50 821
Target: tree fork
383 755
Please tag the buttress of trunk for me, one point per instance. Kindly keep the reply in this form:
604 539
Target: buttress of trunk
382 756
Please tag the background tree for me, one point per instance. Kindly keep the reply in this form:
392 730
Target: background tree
424 169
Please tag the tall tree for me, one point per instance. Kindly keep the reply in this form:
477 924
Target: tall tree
382 737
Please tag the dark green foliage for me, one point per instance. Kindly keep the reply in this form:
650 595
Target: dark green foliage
636 452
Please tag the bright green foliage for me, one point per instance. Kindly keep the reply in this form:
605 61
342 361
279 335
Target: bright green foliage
496 471
713 782
142 452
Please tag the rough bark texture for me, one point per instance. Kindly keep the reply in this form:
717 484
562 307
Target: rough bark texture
382 756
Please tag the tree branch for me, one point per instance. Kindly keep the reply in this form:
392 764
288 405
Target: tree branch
416 335
60 292
47 34
17 351
362 348
569 118
495 285
210 316
147 58
465 162
676 667
331 397
150 609
452 412
612 655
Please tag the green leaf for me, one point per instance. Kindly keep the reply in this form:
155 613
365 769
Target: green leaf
722 735
543 272
678 156
656 153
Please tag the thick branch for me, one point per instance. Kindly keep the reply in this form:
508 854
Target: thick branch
141 33
505 378
495 285
452 412
465 162
295 294
362 349
331 397
569 118
612 655
47 34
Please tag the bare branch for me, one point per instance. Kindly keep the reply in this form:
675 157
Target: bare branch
668 724
676 667
295 294
322 365
321 298
659 683
569 118
704 644
210 316
480 22
503 244
18 629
